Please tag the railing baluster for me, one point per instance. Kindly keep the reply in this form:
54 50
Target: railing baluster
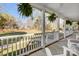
16 45
12 45
23 44
26 42
2 46
20 46
7 46
31 42
34 41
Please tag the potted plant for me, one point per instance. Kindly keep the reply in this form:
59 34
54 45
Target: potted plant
52 17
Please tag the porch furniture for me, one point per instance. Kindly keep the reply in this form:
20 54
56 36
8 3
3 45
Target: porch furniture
70 52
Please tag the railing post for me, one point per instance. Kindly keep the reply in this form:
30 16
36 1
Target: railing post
58 24
43 29
24 44
12 45
20 45
64 29
2 47
7 47
16 45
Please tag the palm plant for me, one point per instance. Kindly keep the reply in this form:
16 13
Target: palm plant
25 9
52 17
78 25
78 22
68 22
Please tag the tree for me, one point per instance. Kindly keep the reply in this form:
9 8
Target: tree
13 23
2 22
37 24
48 26
7 21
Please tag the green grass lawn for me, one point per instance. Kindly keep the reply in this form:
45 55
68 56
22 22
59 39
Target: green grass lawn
12 33
10 40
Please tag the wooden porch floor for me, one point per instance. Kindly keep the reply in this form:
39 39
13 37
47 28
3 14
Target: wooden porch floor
56 48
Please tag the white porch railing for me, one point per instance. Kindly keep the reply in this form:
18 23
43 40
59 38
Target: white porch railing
23 44
19 44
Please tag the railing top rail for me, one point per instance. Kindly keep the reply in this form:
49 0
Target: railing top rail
31 34
3 37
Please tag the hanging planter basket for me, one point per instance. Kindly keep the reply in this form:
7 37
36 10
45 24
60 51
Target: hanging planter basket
68 22
52 17
25 9
78 23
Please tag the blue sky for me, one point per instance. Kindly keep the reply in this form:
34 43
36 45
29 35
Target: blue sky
10 8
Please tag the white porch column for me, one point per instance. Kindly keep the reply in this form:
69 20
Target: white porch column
56 33
64 29
58 24
43 29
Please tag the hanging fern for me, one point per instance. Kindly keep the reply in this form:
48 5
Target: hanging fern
78 22
25 9
68 22
52 17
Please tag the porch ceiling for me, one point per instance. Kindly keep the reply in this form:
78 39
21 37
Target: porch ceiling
68 10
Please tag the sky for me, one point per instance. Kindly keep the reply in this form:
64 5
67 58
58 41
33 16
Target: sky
10 8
